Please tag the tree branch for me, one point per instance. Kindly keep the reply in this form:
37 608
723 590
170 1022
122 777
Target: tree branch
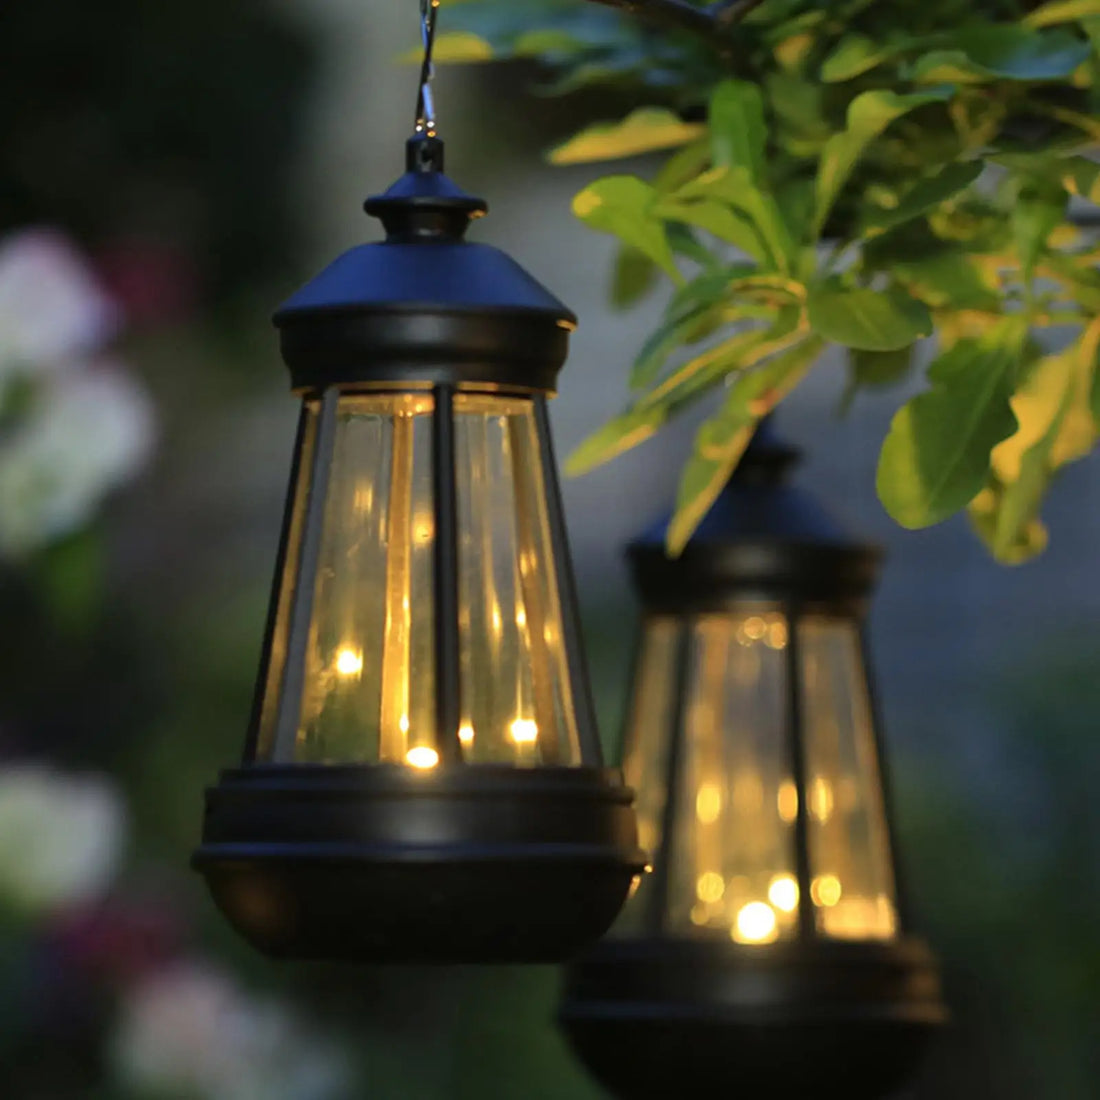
710 20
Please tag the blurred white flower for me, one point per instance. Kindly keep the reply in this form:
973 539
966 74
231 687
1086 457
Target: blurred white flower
191 1031
85 435
61 837
52 309
74 426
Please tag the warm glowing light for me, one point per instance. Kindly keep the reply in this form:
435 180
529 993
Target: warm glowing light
708 803
787 801
860 919
349 662
403 723
423 528
825 890
783 893
777 635
699 914
497 622
521 616
755 923
710 887
525 731
422 757
756 628
821 798
466 734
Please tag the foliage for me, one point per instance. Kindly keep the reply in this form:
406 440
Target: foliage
857 174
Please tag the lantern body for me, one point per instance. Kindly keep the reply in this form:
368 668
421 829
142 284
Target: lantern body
422 778
767 946
368 677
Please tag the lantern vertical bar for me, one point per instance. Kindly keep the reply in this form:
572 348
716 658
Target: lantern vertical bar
277 586
394 718
796 751
301 608
580 688
885 778
681 705
448 686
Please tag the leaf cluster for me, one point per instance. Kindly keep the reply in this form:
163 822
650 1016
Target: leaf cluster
856 174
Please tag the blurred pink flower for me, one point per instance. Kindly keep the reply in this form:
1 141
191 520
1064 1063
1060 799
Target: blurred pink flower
192 1031
75 425
53 310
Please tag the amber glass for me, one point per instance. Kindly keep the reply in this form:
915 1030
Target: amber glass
731 866
369 693
852 881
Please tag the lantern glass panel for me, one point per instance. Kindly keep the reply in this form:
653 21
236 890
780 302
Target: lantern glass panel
516 691
650 728
369 683
731 858
852 882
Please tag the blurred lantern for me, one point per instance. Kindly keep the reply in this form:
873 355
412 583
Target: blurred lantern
767 949
423 778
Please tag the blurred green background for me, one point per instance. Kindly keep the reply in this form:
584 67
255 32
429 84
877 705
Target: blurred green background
168 172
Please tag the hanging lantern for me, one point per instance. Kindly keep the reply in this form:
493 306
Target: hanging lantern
422 779
768 950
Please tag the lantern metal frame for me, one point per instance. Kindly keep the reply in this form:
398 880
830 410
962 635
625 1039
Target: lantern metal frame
381 862
782 1019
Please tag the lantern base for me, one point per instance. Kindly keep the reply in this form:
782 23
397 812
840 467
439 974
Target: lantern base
385 863
785 1021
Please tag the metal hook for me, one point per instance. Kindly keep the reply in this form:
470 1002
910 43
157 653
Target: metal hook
425 106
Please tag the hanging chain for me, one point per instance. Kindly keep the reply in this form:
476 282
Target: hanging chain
425 106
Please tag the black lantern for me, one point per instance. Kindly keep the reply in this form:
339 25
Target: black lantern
422 778
767 952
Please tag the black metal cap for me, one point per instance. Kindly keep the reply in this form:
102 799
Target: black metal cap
424 305
761 539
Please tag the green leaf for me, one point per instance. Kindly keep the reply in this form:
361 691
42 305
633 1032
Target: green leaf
936 456
738 133
854 55
721 221
1036 212
868 115
867 319
735 188
1061 11
1081 177
633 278
453 48
685 385
926 194
642 131
616 436
869 370
684 165
742 350
947 278
1005 51
697 309
722 439
1055 426
622 206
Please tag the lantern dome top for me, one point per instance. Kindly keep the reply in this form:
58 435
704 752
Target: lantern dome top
762 537
424 304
